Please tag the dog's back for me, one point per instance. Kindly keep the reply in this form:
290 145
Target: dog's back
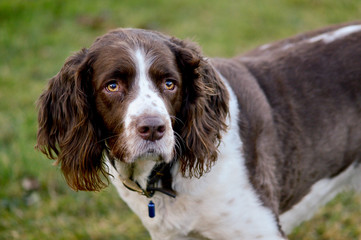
312 87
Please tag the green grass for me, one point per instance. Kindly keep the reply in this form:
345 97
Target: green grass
35 38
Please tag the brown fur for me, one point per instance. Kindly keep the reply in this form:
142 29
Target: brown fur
300 113
203 111
66 127
257 128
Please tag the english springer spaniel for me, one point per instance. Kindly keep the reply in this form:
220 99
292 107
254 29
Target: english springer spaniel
201 148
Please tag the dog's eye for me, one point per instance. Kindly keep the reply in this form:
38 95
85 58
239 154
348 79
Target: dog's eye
113 87
169 84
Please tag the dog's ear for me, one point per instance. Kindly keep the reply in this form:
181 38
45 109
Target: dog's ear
67 130
204 110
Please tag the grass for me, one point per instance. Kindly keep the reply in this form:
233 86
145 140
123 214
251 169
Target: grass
37 36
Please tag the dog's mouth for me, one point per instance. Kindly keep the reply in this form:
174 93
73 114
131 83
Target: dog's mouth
150 155
152 151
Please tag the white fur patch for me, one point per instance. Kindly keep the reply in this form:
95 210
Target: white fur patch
327 37
265 46
147 101
321 192
335 35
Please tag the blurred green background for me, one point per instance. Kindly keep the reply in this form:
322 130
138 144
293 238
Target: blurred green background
36 36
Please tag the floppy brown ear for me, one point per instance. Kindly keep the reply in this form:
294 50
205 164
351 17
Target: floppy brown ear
204 110
66 125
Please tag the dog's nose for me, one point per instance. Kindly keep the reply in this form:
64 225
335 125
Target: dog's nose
151 128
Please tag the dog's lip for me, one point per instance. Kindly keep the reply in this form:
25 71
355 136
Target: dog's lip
150 154
150 151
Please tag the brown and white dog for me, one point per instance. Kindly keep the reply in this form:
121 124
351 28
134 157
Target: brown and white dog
241 148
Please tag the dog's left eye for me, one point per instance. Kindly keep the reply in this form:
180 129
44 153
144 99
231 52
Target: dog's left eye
169 84
113 87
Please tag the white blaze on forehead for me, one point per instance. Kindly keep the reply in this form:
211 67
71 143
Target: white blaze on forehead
337 34
147 99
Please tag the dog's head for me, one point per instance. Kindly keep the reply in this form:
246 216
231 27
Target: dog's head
136 94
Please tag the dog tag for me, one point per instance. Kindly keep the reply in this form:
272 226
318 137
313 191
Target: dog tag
151 209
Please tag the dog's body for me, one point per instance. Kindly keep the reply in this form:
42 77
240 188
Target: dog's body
270 135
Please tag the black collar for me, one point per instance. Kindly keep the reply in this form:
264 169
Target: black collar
161 172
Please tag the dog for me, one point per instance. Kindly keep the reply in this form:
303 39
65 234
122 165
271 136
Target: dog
210 148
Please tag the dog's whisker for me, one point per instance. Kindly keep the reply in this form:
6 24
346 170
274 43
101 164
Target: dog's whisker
107 138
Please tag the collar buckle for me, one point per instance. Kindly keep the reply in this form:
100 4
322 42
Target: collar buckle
134 186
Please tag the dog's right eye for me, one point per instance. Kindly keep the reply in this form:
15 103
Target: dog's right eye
169 84
113 87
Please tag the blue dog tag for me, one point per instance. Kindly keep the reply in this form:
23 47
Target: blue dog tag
151 209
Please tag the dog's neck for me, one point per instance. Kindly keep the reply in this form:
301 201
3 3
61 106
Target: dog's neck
145 176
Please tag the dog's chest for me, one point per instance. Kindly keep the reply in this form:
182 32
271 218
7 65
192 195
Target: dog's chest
217 206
